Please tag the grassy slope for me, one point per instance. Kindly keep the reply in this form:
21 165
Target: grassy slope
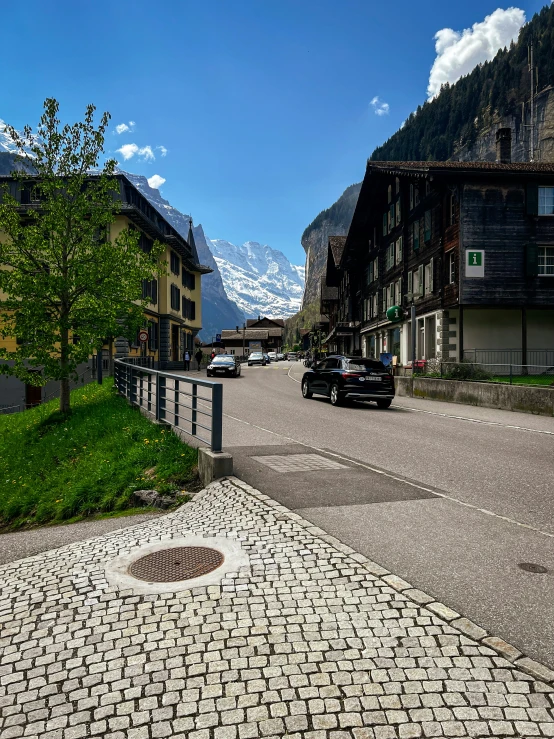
54 470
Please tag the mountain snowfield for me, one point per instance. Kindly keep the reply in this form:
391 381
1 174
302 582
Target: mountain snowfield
259 279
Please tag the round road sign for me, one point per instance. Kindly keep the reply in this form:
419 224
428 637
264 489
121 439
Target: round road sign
143 335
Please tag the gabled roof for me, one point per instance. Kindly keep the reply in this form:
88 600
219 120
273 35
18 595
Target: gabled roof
427 167
336 244
249 334
251 322
328 293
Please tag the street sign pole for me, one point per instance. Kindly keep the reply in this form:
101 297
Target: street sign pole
413 320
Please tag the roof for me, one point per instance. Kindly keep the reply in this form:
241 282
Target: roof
424 167
304 331
336 244
249 334
251 322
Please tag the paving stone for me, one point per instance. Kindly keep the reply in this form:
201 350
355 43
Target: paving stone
309 641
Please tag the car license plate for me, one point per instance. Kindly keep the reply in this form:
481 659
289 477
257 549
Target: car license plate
221 372
374 379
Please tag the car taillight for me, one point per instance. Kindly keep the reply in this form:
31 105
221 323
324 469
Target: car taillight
347 375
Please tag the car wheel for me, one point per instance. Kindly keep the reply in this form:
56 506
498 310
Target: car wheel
306 392
336 397
385 403
250 364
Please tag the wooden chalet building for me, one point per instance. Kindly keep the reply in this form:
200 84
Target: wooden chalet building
263 331
472 243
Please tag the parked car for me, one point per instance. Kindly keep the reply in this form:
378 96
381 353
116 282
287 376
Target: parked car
224 364
292 356
339 377
280 357
272 356
257 358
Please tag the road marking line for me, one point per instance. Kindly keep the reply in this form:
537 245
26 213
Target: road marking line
391 476
462 418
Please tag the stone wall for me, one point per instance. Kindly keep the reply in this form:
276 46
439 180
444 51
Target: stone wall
538 400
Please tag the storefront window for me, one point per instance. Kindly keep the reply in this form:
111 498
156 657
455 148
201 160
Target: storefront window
370 347
394 342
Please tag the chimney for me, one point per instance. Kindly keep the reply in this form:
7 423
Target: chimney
504 145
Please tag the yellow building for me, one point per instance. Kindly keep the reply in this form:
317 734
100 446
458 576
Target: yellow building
173 316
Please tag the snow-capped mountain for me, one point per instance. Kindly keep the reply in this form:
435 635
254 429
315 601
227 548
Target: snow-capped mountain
259 279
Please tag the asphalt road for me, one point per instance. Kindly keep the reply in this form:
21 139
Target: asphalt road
451 498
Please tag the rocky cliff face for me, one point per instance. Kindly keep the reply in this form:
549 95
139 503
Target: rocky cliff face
484 148
335 221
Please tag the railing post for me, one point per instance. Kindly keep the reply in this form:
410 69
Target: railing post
217 417
132 392
176 403
158 393
163 398
149 391
194 405
510 374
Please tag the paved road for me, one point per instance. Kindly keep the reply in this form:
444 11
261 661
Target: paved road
452 498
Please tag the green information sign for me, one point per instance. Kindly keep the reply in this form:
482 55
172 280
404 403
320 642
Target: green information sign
475 262
395 313
475 258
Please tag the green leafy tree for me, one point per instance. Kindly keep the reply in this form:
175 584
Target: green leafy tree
65 286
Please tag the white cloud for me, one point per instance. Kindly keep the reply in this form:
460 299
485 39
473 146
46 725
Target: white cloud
146 153
459 52
156 181
128 151
124 127
163 150
379 107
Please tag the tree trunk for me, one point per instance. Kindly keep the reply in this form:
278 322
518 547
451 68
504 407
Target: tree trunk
65 398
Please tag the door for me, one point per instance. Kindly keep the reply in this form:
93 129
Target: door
317 384
175 343
33 395
329 375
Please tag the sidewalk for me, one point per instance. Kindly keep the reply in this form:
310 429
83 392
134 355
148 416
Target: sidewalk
309 640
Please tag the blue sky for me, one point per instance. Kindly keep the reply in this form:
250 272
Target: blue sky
264 106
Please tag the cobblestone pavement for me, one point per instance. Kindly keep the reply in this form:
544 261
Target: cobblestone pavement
310 641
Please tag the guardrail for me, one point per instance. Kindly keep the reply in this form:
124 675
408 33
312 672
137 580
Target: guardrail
166 397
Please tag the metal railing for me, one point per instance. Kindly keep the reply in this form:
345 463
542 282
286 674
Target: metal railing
506 373
188 404
539 357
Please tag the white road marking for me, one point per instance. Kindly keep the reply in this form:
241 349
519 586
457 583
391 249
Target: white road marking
461 418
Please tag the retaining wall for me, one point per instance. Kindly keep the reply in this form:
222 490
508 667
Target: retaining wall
538 400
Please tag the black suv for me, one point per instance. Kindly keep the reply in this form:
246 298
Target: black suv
358 378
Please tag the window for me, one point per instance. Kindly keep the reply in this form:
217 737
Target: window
375 268
411 197
385 224
416 195
427 226
398 216
152 336
416 235
389 256
188 279
546 260
189 309
175 263
389 194
391 217
398 299
451 268
397 185
546 201
399 249
145 243
367 271
150 290
427 279
175 297
451 209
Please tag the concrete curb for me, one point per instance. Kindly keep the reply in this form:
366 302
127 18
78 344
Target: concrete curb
539 672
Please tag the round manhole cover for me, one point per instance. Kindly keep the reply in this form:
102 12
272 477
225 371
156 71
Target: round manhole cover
180 563
532 567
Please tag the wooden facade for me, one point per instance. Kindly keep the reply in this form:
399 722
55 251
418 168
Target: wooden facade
412 230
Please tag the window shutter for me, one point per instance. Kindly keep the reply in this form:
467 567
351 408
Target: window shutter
192 310
420 279
531 260
411 197
432 275
385 216
376 271
532 199
410 282
154 291
398 213
427 226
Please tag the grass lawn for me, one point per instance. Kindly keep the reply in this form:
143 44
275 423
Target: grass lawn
541 380
54 469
